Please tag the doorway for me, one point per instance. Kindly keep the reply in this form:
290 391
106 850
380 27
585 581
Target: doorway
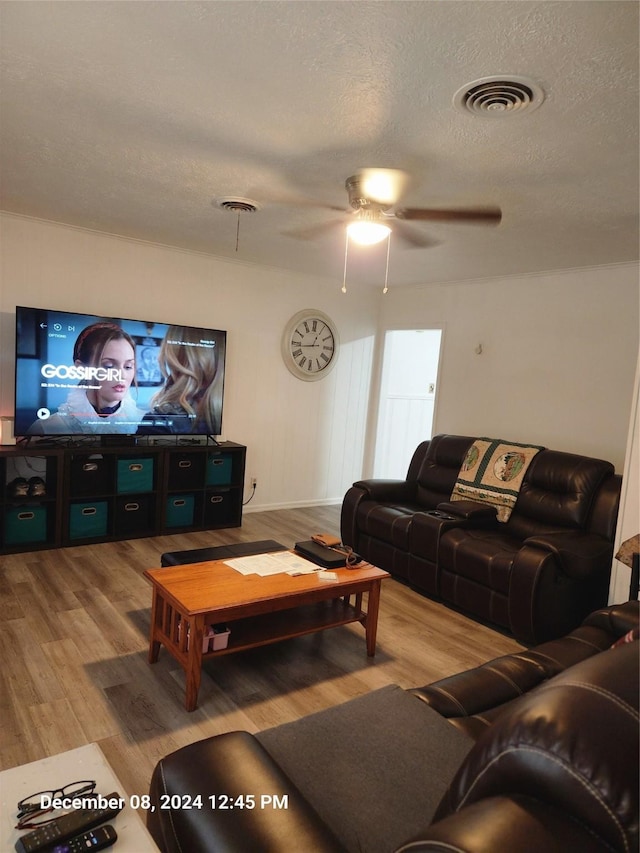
406 406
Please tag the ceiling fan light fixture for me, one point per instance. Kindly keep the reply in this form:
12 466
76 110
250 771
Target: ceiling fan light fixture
366 233
382 186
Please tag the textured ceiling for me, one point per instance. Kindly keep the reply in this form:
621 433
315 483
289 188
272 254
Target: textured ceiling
131 117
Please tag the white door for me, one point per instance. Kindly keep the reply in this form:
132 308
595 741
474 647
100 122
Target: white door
407 398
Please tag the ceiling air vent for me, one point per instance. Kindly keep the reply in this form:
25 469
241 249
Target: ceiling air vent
236 204
497 97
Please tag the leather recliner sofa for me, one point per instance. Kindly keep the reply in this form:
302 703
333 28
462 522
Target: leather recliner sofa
551 763
536 575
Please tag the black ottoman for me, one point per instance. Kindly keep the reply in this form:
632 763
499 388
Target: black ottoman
220 552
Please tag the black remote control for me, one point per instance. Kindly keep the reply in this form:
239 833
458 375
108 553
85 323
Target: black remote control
95 839
69 825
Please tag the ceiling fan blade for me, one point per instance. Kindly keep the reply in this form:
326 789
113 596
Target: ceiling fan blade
415 239
475 216
311 232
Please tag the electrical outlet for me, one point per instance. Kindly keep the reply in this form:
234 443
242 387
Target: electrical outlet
254 482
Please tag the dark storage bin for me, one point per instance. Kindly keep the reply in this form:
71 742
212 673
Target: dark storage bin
180 510
25 524
219 467
90 475
87 520
134 514
186 470
134 476
220 508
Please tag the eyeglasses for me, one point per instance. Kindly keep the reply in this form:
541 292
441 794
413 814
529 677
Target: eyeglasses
31 813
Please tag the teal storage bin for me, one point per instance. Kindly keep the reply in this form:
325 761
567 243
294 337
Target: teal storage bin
25 524
134 476
87 520
219 469
180 510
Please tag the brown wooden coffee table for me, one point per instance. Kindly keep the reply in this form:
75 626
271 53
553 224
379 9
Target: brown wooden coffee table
258 610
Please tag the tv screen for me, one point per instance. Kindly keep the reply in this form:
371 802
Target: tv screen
80 374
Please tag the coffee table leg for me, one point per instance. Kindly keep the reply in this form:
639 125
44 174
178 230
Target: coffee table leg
371 624
154 651
193 669
154 645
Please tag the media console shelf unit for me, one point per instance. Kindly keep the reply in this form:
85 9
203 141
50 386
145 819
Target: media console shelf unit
74 495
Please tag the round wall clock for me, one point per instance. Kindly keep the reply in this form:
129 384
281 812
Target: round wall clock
310 344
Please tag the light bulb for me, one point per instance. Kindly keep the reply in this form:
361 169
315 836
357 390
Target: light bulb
367 233
384 186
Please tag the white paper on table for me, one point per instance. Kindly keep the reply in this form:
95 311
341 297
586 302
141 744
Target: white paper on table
272 564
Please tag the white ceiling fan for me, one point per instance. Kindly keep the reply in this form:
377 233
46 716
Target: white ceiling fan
373 196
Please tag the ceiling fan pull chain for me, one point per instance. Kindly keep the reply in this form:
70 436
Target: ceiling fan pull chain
386 274
238 232
346 252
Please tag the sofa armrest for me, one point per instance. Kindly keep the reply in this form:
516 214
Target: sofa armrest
381 491
506 824
616 619
579 555
233 767
389 491
469 510
484 687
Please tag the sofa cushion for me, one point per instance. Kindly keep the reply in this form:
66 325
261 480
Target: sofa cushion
557 493
557 655
440 468
473 700
483 556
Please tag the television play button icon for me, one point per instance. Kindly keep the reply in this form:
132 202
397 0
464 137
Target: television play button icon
43 414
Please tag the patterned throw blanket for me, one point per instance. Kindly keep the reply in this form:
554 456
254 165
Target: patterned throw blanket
492 473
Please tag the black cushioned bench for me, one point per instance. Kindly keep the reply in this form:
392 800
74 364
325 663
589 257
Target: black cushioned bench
220 552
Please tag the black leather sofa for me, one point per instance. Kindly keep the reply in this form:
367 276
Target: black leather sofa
550 762
536 575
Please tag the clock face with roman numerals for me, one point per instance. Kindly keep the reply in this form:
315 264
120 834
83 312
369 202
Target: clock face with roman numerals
310 345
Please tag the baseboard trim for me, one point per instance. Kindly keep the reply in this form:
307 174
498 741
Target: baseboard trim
290 505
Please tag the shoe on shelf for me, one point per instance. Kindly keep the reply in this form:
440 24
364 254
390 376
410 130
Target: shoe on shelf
37 487
18 488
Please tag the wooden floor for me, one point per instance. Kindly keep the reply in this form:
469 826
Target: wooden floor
74 629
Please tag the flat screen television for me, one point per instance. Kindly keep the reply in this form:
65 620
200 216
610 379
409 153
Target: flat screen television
83 375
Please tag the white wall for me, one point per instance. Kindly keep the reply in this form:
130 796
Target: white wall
558 356
305 439
557 367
